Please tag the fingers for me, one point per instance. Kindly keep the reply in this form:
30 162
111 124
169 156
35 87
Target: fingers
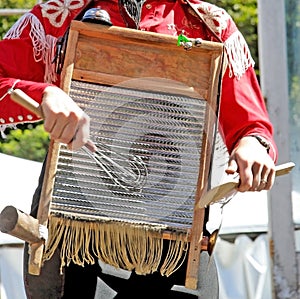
62 127
267 178
256 177
63 119
263 177
71 130
245 171
81 135
232 167
255 167
246 178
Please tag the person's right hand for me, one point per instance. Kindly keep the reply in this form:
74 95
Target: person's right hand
254 165
63 118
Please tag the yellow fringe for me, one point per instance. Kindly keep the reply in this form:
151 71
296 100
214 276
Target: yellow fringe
123 245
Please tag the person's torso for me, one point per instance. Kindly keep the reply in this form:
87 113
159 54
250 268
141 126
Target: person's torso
167 17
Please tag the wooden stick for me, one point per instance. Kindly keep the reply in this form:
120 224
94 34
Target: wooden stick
37 248
219 192
19 224
27 102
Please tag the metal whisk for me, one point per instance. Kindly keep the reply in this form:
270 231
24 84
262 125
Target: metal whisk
128 172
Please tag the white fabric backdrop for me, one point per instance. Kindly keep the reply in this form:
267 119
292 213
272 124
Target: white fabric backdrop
244 268
11 273
18 180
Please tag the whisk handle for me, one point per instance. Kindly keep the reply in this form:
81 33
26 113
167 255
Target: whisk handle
29 103
26 101
90 145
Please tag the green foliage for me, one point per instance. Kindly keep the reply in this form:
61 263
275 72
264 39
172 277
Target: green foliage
7 21
244 13
26 143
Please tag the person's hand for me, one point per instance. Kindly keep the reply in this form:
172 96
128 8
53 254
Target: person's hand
254 165
63 119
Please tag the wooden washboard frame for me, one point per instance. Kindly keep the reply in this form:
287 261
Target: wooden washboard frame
137 54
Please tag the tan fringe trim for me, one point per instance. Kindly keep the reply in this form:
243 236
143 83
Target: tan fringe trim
122 245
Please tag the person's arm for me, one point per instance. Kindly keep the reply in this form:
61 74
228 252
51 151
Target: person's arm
243 115
26 55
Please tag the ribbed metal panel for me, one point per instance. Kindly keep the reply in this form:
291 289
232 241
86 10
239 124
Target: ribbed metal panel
151 141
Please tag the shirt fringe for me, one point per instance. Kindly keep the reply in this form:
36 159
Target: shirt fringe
43 45
4 127
238 54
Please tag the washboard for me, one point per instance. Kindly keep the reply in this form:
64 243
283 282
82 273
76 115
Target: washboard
153 109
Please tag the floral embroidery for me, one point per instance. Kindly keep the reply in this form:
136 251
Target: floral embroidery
187 23
214 16
57 11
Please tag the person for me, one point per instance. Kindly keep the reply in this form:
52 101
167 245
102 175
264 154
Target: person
248 132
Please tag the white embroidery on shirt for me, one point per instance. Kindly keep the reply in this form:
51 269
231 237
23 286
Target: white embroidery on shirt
238 54
171 26
214 16
4 127
56 11
236 48
8 91
43 45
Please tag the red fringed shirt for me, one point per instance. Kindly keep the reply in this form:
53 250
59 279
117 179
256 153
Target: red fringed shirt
27 52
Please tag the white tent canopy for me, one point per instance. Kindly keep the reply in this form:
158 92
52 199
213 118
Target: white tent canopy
18 180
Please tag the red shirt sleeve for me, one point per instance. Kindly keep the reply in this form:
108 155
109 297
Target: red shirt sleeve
26 56
243 111
17 63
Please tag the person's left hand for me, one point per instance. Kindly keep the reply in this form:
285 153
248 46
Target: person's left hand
254 165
